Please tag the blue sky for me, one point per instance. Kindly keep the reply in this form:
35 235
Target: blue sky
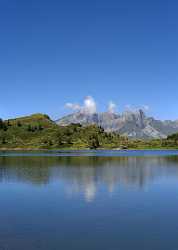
54 52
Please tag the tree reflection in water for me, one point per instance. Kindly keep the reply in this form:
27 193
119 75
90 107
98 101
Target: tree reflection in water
87 174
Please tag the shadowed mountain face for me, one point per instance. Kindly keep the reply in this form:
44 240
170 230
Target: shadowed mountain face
132 124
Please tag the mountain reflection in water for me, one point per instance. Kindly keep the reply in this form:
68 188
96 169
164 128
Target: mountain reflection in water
86 174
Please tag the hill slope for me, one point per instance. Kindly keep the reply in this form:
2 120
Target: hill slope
39 131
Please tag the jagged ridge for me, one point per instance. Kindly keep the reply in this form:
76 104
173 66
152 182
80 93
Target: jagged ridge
132 124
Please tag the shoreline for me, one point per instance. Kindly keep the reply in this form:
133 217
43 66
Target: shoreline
87 149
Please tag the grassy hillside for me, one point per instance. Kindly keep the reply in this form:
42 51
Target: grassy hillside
26 132
38 131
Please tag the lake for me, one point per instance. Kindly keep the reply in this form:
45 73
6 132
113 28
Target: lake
89 200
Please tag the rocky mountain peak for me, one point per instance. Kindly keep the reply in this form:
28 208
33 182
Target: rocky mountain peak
134 124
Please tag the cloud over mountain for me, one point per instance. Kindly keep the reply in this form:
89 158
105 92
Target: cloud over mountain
88 107
133 122
111 107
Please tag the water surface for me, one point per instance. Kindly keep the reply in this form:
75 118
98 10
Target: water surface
89 200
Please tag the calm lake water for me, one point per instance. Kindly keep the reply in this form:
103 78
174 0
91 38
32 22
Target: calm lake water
89 200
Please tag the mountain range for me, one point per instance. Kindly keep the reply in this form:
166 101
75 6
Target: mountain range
134 124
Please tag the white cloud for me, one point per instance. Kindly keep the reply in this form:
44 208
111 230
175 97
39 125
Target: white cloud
89 106
131 108
73 106
146 107
111 107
